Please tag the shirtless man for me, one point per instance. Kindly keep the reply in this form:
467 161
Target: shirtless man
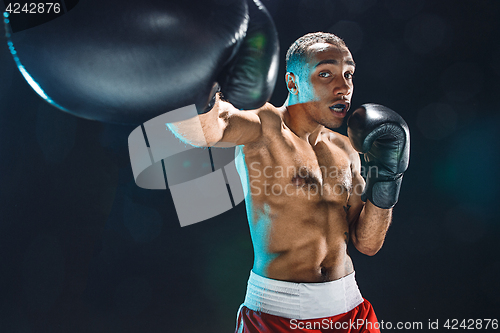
304 191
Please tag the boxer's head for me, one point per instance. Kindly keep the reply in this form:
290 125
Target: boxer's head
319 77
299 52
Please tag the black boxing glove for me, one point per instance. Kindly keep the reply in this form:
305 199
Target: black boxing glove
383 137
249 78
126 61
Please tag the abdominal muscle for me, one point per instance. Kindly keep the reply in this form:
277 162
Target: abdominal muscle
300 243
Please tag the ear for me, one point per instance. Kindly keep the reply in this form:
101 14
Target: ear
291 83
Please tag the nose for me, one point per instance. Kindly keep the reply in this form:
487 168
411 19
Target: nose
343 86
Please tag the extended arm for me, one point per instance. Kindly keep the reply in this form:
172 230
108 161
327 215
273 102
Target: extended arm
222 126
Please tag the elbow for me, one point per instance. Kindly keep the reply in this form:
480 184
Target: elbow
369 252
367 249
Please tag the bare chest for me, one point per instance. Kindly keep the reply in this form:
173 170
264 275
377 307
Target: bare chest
290 166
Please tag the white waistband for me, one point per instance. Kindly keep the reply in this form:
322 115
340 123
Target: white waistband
302 300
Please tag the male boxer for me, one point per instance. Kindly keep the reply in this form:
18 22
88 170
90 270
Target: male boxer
305 191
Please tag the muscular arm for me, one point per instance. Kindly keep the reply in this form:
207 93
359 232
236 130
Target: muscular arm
222 126
369 230
368 224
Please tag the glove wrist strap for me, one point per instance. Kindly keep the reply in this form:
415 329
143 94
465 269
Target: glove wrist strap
382 193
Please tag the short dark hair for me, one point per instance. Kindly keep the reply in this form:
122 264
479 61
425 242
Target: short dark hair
298 51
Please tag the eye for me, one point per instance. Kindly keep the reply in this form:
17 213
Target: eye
325 74
349 76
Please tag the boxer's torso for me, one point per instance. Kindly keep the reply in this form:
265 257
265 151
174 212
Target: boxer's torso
297 207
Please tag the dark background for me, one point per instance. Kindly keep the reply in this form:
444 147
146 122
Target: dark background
83 249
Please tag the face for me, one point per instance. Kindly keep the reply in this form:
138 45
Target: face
325 86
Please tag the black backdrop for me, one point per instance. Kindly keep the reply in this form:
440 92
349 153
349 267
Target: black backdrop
83 249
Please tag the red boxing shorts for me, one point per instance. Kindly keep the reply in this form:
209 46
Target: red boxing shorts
273 306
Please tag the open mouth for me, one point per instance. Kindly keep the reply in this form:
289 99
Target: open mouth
338 108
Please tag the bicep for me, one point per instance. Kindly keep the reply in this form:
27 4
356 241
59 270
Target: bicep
238 127
222 126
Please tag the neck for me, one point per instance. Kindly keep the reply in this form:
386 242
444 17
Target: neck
297 119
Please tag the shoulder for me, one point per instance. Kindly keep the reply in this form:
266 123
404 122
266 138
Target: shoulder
269 112
338 140
343 142
270 117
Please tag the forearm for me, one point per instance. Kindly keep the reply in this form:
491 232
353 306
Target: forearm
369 230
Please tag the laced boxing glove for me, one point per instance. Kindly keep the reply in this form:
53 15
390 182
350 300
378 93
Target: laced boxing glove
129 61
383 137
